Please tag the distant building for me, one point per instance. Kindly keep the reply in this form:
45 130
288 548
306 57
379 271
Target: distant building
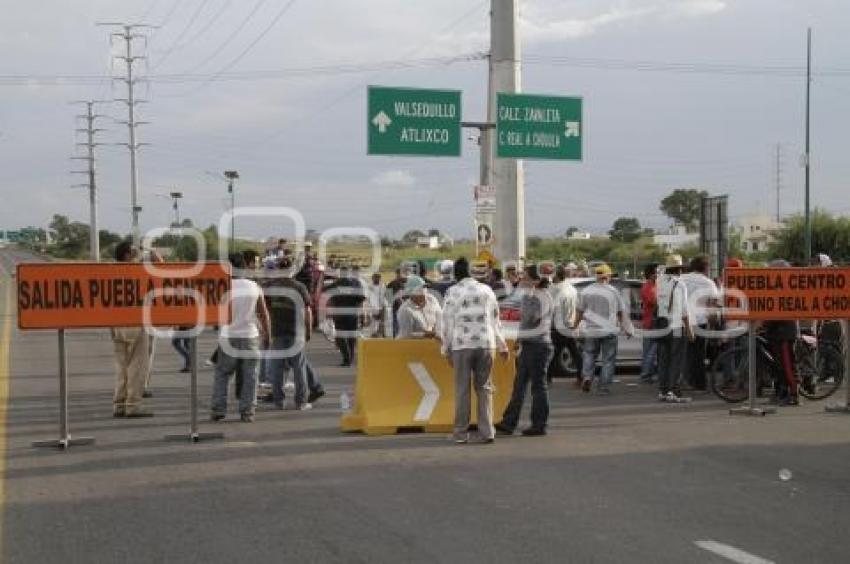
757 232
434 240
675 238
580 236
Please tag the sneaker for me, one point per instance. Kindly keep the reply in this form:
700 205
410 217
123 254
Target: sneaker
503 429
461 441
315 395
585 385
247 417
662 396
534 432
304 407
208 363
673 397
216 416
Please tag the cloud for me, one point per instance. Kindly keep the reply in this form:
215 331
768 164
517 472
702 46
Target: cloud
547 25
394 178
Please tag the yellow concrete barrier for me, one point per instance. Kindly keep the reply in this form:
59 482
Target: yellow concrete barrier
407 384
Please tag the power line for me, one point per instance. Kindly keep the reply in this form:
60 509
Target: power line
182 78
205 27
230 37
167 53
734 69
250 46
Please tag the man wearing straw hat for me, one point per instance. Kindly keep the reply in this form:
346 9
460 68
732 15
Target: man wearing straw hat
673 320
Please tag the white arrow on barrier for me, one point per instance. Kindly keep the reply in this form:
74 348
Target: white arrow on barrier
572 129
431 395
381 121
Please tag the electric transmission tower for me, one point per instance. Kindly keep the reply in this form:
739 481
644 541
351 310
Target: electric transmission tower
128 35
90 130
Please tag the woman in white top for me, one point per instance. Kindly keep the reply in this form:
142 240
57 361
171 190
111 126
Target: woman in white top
420 316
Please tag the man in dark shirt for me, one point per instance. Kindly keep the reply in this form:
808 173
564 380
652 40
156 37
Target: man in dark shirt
291 327
347 295
396 292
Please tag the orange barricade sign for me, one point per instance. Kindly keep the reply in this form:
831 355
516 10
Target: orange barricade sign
90 295
787 293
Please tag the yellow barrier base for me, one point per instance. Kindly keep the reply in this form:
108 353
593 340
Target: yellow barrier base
407 386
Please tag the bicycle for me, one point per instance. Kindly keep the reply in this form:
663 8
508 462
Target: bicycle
818 369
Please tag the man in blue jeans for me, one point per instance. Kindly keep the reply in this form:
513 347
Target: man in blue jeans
291 327
239 345
535 339
601 314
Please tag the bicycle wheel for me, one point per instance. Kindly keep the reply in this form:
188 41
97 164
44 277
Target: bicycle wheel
730 375
820 370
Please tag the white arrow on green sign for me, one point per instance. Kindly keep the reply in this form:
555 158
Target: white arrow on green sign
530 126
411 121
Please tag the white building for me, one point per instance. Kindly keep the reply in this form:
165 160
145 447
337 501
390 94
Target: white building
757 232
580 236
675 238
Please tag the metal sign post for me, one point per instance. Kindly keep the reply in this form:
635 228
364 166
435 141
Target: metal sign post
65 440
752 357
838 408
194 436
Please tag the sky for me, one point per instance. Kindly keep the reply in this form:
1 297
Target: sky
677 94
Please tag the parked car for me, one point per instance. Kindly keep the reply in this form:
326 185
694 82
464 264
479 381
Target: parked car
629 350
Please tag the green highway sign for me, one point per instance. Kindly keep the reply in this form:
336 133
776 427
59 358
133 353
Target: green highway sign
529 126
410 121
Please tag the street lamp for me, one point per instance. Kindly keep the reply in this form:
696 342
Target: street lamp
176 197
232 175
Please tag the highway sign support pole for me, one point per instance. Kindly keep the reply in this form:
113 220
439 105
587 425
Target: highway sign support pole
507 174
65 441
808 156
845 326
752 357
194 436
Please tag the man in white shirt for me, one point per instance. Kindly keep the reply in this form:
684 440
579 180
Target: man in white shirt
240 343
377 300
564 296
601 315
703 298
673 313
471 333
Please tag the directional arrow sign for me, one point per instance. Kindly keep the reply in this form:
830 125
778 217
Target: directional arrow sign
432 392
408 121
539 127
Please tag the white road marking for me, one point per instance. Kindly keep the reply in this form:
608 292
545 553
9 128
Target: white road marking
731 553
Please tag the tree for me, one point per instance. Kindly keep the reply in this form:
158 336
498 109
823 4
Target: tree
625 230
71 239
571 231
830 235
412 235
683 206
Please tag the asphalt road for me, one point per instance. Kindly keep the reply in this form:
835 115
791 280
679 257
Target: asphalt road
619 479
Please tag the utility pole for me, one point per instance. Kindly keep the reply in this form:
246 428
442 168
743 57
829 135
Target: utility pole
505 174
778 181
231 176
129 59
90 130
807 158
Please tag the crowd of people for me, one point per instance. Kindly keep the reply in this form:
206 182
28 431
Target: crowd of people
273 317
